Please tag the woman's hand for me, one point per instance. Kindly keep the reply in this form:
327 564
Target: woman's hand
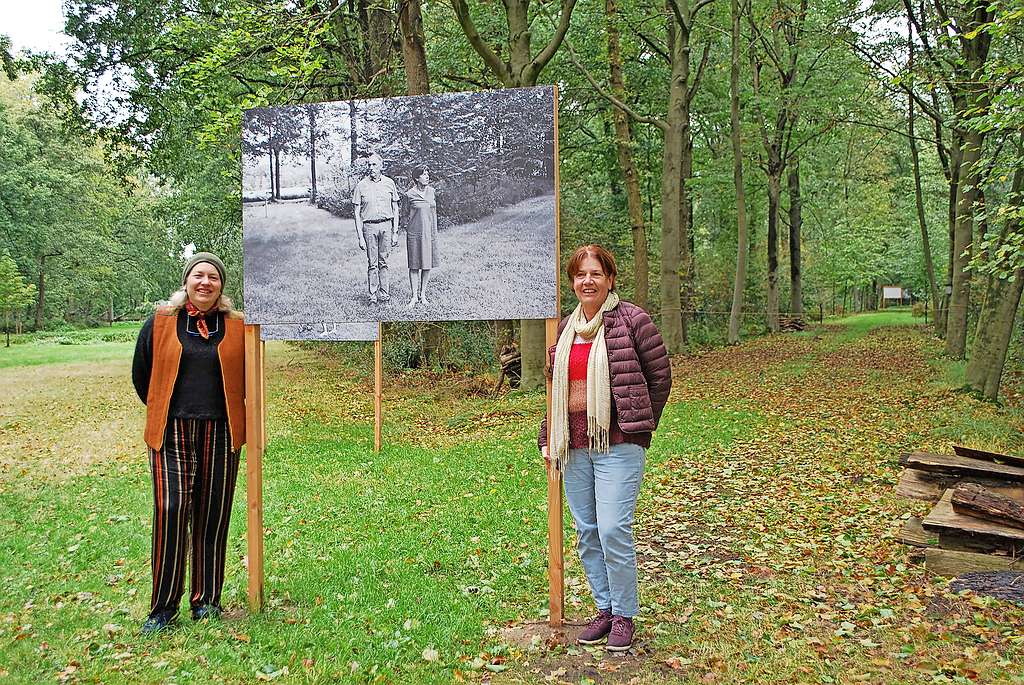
547 456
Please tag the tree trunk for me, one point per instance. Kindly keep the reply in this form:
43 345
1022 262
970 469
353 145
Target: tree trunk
624 149
998 312
671 211
960 298
41 292
417 82
740 278
955 157
414 54
521 70
774 191
919 201
984 371
796 298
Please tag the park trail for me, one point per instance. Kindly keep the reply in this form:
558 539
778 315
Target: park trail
768 517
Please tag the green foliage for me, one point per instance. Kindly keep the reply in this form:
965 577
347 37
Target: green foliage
15 293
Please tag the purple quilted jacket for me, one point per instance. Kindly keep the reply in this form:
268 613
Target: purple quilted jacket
641 372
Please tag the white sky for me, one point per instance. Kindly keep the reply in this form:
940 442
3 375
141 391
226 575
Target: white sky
34 24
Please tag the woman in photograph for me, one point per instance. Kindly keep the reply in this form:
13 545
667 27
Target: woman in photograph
189 370
421 235
611 377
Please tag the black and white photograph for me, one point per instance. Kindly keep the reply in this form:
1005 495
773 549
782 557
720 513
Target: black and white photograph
423 208
357 331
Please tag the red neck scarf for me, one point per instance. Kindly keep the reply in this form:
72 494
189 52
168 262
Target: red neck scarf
200 317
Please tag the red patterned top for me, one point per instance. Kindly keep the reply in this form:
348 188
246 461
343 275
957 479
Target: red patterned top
578 357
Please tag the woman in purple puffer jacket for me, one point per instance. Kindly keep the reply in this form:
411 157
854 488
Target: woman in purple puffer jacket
611 377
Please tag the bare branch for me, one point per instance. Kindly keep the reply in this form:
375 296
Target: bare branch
692 92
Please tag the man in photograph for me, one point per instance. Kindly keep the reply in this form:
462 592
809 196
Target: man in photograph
376 212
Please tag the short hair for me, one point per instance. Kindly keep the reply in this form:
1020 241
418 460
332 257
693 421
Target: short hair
417 171
603 256
372 156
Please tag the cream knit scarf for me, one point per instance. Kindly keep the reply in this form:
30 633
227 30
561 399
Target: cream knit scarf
599 391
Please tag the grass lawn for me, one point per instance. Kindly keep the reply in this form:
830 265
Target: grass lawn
766 528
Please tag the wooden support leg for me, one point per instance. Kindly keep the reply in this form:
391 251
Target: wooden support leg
255 429
556 561
378 385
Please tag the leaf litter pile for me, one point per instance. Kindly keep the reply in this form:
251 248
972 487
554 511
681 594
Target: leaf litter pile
772 557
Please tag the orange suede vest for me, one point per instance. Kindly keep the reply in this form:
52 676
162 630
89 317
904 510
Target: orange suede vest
167 356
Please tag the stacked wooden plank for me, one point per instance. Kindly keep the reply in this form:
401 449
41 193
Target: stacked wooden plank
977 521
788 322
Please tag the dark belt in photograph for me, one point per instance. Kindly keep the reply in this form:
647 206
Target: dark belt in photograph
377 221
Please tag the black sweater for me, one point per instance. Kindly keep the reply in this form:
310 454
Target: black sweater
199 388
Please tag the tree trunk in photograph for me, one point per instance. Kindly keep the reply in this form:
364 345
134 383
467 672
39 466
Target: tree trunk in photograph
414 54
774 192
277 174
960 298
796 298
624 149
353 134
740 277
311 111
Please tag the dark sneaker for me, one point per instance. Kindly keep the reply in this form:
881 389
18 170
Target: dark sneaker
620 639
206 611
597 629
157 623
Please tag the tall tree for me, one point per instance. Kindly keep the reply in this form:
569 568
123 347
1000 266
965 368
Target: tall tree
522 68
736 138
676 163
624 151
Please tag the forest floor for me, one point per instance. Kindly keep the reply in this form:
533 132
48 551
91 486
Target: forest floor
766 529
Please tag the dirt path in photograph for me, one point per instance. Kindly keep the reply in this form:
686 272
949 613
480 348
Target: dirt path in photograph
320 273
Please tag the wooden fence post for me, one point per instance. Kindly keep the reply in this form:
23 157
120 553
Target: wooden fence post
256 437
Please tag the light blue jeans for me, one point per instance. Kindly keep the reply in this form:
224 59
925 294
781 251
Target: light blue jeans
602 491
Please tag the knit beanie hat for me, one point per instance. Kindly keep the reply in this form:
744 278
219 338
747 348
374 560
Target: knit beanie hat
209 258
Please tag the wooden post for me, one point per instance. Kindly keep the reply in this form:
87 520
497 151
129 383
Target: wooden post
378 384
556 561
256 437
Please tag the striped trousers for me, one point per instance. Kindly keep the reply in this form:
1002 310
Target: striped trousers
193 487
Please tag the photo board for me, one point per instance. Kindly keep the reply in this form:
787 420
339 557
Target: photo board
321 330
473 238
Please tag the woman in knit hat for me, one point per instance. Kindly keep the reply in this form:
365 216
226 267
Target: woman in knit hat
611 377
189 370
